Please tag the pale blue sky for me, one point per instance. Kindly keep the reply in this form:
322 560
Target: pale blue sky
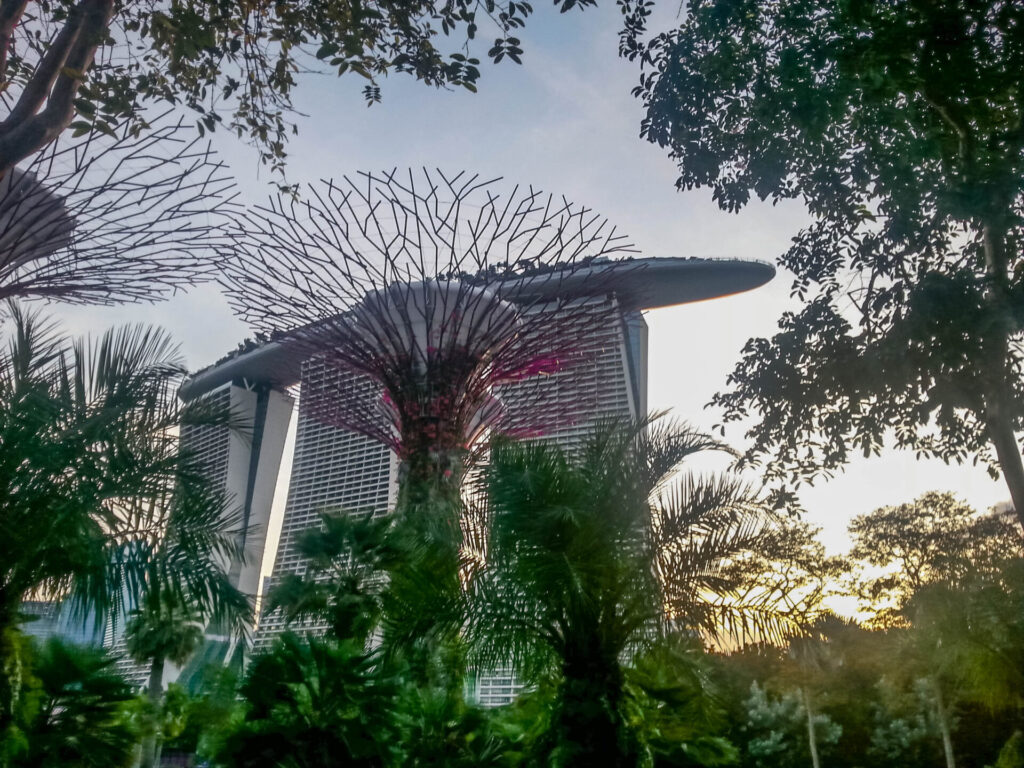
565 122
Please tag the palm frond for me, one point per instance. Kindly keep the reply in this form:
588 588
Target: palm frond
97 501
349 556
36 343
134 362
81 713
612 549
665 443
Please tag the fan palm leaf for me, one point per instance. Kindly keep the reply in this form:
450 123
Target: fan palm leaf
80 714
88 452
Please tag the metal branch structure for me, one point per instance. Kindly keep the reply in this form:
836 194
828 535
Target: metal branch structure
420 295
113 219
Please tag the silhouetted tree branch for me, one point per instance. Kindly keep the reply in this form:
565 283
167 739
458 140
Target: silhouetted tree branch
30 125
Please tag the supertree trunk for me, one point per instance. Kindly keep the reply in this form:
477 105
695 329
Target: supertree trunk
589 721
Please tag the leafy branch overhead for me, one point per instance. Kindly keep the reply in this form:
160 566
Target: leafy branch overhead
898 126
234 64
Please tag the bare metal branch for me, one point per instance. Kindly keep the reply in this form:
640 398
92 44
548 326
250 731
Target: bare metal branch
105 220
426 298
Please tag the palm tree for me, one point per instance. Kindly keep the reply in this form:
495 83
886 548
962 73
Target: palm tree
186 589
349 557
315 703
76 712
966 639
158 635
595 558
88 453
379 576
812 668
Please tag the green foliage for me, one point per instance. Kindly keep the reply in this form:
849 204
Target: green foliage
354 562
934 538
1012 753
99 501
970 638
90 461
952 581
174 713
902 741
877 698
348 559
524 726
196 723
312 702
897 126
884 706
74 710
597 558
186 588
15 682
673 706
170 633
955 664
778 730
236 65
370 574
439 730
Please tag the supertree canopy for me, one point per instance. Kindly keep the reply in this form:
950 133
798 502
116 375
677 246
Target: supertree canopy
418 293
104 219
415 297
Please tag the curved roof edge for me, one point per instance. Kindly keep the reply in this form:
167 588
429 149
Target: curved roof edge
639 284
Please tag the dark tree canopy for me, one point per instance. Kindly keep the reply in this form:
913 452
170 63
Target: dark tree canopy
93 63
899 126
934 538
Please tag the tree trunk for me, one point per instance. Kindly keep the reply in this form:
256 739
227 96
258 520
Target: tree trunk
998 395
430 495
428 528
589 725
944 728
46 105
11 12
150 744
1003 439
812 738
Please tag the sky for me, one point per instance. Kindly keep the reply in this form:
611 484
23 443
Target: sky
566 122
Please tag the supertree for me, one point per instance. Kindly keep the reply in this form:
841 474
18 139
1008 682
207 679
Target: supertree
417 297
112 218
420 294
